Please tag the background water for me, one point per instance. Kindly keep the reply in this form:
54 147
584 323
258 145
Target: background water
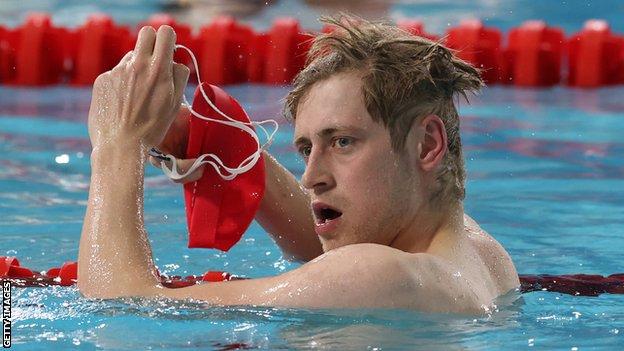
545 172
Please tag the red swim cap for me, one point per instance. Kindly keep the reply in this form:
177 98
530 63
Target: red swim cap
219 211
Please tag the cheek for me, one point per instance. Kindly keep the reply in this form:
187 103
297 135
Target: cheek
373 186
366 182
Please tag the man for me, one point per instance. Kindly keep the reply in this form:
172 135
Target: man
382 207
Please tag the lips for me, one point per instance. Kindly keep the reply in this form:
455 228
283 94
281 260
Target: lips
326 217
324 213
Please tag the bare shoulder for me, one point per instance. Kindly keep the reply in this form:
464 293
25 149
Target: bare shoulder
380 276
353 276
493 255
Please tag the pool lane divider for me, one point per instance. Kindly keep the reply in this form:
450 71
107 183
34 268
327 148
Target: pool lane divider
67 275
534 54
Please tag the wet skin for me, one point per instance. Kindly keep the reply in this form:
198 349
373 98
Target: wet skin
388 248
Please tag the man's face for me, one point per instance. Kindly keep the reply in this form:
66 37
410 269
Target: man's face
361 190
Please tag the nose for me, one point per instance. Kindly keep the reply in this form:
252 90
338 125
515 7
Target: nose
317 175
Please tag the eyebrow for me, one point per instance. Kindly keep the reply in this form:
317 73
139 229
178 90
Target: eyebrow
327 132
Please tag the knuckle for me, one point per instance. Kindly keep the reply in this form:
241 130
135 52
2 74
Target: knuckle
184 69
102 77
140 63
163 75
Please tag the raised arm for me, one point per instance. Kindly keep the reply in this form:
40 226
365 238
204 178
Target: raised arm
131 109
285 213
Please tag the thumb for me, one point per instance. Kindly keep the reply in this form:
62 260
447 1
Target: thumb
154 161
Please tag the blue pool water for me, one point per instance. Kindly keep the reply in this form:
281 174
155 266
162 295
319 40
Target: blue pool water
546 178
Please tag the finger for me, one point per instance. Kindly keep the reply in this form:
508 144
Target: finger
154 161
125 60
184 111
180 78
184 165
145 42
183 117
165 44
127 57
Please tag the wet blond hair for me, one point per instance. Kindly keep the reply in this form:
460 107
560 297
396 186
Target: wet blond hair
404 77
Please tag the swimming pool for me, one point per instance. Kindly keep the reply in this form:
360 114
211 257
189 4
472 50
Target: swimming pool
546 178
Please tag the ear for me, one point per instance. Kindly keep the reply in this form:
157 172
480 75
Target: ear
433 146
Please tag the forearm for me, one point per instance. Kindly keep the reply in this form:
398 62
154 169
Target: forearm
285 213
115 257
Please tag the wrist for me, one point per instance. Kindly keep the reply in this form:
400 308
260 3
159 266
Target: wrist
112 153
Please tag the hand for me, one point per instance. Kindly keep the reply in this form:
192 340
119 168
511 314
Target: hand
175 143
136 102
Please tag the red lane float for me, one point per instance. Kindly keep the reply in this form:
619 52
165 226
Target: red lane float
219 211
67 275
286 51
258 47
7 54
571 284
574 284
479 45
99 46
39 52
222 51
535 54
595 56
416 27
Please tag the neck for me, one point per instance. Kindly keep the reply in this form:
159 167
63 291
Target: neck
429 228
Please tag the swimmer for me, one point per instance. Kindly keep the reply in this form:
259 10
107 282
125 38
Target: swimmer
378 214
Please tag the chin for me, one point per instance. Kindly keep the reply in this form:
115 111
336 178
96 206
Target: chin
328 246
336 243
331 244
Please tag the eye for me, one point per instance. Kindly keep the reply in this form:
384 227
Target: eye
342 142
305 151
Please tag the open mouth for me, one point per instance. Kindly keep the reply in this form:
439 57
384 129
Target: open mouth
324 213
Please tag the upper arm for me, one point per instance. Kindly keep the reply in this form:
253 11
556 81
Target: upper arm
285 213
361 275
